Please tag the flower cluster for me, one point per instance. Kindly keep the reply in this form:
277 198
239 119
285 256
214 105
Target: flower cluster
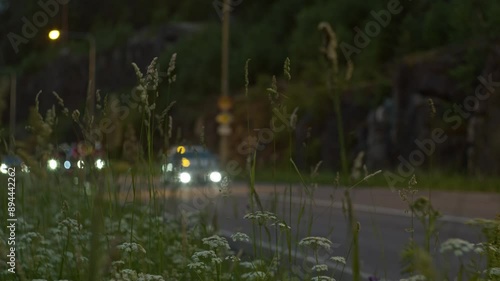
239 236
315 242
261 217
457 246
131 248
215 242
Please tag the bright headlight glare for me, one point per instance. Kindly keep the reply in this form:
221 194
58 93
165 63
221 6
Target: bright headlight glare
215 176
99 164
185 177
3 168
52 164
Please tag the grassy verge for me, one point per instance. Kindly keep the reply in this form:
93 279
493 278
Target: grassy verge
432 180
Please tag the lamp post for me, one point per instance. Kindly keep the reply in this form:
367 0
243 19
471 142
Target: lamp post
224 129
55 35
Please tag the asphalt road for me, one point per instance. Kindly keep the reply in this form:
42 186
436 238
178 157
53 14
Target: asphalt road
383 222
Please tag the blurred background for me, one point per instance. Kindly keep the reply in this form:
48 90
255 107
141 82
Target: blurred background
403 69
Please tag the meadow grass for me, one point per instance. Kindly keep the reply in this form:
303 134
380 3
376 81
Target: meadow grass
86 230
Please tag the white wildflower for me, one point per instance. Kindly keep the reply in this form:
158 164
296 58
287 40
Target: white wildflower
206 256
215 242
199 267
320 267
457 246
239 236
316 242
281 225
131 248
494 271
261 217
414 278
255 275
338 260
322 278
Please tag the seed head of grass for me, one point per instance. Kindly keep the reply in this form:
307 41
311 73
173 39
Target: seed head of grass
246 77
171 68
286 69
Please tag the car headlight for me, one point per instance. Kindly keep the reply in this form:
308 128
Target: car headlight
80 164
215 176
99 164
185 177
3 168
52 164
25 168
67 165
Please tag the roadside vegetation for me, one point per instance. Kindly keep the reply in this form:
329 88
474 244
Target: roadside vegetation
86 230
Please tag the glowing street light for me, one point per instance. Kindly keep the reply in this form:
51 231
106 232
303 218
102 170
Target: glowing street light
54 34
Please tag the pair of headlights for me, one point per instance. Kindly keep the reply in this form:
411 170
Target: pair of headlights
185 177
4 168
53 164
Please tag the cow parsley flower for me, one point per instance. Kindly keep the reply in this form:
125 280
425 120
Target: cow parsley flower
131 248
239 236
215 242
208 257
322 278
254 275
414 278
315 242
457 246
320 267
338 260
261 217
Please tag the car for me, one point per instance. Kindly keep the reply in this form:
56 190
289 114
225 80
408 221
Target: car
191 165
13 161
76 157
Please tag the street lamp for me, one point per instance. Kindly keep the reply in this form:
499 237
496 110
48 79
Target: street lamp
56 34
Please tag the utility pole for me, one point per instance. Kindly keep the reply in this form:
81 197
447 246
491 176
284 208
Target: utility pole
13 89
224 129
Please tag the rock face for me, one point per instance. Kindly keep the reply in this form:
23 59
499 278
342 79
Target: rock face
442 92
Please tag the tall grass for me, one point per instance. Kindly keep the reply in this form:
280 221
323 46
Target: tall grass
109 226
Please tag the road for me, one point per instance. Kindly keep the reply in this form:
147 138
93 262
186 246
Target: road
383 222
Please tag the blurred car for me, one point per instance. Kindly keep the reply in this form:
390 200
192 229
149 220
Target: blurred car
191 165
76 157
13 161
